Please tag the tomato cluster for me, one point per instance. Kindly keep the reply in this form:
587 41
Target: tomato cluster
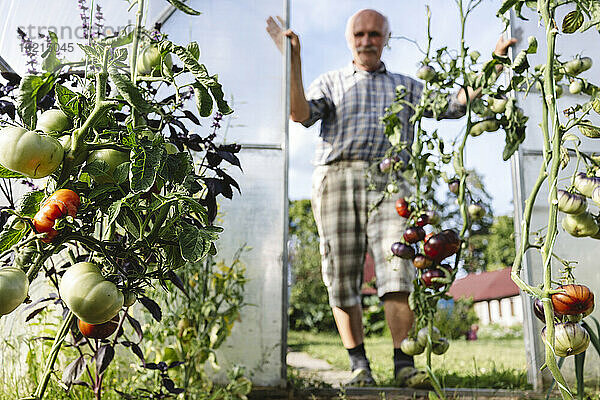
414 346
578 221
432 247
570 305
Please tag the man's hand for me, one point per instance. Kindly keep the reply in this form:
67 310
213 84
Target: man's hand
502 46
277 33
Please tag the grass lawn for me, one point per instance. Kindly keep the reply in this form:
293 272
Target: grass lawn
485 363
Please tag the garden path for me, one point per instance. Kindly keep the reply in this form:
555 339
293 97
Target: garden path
312 368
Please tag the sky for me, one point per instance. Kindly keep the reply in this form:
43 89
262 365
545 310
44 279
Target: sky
320 26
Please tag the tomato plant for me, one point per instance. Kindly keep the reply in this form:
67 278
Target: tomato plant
129 199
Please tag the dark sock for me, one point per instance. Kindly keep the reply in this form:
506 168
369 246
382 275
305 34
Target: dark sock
358 357
402 360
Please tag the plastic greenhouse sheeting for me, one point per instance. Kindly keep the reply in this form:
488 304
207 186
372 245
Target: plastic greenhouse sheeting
526 165
234 45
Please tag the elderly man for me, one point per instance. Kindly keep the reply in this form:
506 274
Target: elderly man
350 103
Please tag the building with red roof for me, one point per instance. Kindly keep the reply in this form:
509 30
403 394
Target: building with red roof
495 296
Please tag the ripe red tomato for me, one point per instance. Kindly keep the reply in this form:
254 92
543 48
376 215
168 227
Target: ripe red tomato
99 331
577 299
63 202
422 220
442 245
427 278
434 247
402 207
414 234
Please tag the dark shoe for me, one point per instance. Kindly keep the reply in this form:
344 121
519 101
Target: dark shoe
413 378
360 377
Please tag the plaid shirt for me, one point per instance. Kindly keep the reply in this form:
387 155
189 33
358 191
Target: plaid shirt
350 102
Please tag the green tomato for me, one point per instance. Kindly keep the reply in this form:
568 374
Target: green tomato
580 225
112 157
497 105
92 298
576 87
559 90
411 347
29 153
426 73
129 299
440 346
424 332
476 211
14 286
488 125
571 203
53 121
149 61
578 65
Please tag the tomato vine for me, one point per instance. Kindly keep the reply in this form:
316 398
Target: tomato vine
144 178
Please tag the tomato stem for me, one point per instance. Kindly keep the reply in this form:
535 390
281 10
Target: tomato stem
58 340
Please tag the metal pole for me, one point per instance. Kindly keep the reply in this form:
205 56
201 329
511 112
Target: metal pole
285 261
533 359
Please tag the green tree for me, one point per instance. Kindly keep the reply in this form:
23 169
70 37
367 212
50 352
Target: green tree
309 306
500 244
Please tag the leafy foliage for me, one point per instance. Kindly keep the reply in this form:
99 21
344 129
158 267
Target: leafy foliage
455 320
309 302
148 222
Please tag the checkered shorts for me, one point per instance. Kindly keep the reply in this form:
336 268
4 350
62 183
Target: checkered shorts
347 230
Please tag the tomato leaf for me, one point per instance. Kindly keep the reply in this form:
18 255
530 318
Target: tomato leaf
203 100
67 101
572 21
73 370
194 49
31 91
194 242
151 306
176 167
113 211
7 173
592 8
10 237
182 7
145 163
104 357
203 80
129 91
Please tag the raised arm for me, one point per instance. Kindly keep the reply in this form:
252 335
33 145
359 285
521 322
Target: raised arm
299 109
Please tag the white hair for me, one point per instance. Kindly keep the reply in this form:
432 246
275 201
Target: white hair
350 26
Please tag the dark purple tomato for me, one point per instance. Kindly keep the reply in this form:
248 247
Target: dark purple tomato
402 250
414 234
